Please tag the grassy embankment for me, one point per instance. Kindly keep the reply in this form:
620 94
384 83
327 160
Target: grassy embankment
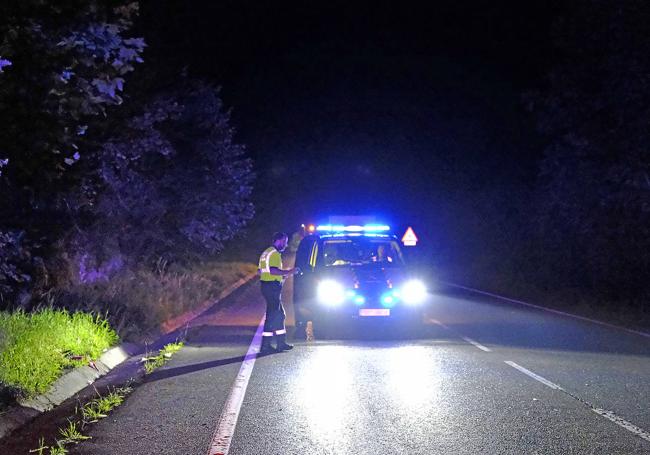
139 301
36 348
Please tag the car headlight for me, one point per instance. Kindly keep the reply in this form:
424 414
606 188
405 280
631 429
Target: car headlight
413 292
330 292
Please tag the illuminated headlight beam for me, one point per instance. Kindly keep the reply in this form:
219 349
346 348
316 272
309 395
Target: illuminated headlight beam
330 292
413 292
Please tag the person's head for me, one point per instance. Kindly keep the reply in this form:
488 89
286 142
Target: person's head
280 240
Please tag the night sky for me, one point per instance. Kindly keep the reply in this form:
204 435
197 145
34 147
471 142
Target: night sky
410 112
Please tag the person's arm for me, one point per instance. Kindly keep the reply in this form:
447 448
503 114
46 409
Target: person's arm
275 261
279 272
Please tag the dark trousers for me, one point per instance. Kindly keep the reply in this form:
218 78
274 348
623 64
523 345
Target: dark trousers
275 315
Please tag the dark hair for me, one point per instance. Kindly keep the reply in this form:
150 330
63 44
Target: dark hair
279 236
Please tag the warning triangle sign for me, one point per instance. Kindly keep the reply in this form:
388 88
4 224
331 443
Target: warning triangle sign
409 239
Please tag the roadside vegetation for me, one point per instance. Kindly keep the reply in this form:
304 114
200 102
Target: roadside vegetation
36 348
140 301
85 414
99 407
153 362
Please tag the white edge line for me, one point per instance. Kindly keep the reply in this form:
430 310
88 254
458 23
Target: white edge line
535 376
222 437
551 310
469 340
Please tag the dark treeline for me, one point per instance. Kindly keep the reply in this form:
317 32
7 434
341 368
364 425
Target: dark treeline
579 236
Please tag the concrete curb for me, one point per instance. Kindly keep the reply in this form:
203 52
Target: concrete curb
550 310
78 379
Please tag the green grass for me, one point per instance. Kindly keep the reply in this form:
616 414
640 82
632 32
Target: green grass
71 434
58 449
99 407
36 348
151 363
90 412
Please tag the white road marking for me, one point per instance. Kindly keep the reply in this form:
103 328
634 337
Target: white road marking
468 339
536 377
225 430
477 344
623 423
609 415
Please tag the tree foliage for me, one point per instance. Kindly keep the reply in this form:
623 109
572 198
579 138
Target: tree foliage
62 64
174 182
68 61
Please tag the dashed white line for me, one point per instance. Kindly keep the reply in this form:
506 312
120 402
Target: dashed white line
468 339
640 432
477 344
609 415
225 430
535 376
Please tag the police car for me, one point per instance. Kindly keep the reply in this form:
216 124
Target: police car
354 272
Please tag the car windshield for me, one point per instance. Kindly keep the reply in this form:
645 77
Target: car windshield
340 252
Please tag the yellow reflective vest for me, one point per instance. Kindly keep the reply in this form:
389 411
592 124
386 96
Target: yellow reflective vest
270 258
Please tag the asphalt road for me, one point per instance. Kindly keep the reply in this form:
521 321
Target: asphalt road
481 377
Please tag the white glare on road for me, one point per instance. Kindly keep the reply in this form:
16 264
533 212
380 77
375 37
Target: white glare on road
413 378
325 391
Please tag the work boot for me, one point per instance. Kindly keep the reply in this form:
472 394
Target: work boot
266 347
282 344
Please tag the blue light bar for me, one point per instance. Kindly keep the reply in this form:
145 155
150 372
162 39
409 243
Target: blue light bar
353 228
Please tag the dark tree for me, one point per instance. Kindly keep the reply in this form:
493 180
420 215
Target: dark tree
594 200
62 66
174 183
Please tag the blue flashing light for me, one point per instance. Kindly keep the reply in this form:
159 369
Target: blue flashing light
359 300
354 234
376 228
352 228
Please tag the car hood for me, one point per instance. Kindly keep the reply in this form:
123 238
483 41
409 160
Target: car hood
368 277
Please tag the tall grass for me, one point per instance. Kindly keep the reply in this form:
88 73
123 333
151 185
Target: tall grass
35 348
141 300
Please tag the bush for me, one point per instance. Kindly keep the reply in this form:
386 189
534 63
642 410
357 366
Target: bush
14 260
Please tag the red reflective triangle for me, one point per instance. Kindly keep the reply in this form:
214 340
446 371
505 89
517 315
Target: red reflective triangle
409 239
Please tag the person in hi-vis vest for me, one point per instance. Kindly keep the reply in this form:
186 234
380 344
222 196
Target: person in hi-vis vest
271 277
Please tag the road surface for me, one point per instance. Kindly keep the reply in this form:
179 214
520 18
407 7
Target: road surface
481 377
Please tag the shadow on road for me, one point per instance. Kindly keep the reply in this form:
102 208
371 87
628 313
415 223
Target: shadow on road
178 371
